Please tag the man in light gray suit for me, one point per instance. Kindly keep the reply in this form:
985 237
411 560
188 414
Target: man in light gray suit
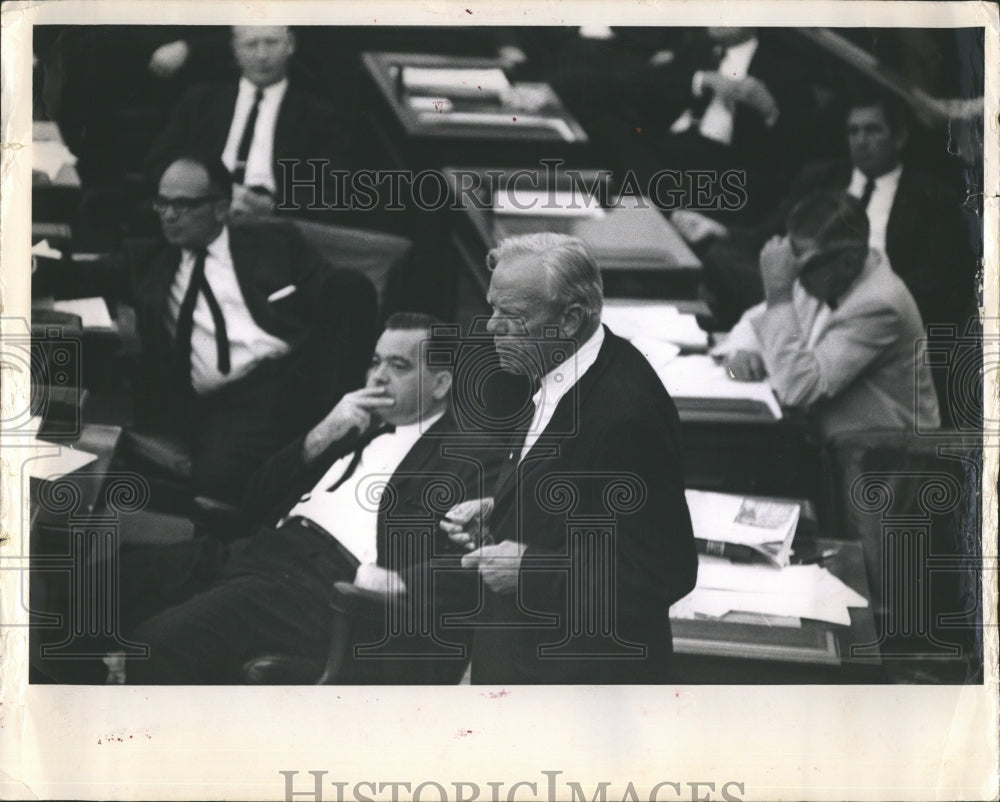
838 330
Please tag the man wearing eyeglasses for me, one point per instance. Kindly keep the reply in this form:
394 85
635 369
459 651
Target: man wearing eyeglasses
244 327
838 333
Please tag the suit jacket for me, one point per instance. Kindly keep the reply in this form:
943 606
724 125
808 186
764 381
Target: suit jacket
925 238
331 312
306 128
440 471
609 459
863 371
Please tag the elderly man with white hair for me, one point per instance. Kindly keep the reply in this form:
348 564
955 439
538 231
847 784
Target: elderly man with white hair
587 541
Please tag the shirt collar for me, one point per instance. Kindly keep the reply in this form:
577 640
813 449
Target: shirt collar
274 91
416 429
557 382
217 248
892 177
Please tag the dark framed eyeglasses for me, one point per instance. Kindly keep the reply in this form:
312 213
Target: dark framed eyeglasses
181 205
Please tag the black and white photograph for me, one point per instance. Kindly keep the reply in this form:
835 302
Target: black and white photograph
478 402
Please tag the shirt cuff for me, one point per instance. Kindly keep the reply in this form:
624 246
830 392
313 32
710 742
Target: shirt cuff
697 83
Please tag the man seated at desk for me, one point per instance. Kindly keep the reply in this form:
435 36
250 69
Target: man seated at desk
254 123
838 330
248 334
324 508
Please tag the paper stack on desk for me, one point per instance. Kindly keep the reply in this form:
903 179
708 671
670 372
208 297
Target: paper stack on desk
460 82
93 312
799 591
654 321
52 460
743 528
700 377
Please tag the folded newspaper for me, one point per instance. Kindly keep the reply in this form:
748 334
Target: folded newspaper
743 528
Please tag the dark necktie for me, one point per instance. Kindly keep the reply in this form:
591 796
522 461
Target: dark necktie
352 466
866 194
513 455
185 320
243 151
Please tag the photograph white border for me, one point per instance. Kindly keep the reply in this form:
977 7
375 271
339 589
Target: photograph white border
779 742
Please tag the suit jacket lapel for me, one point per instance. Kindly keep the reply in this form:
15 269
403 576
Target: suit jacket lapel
900 214
418 460
224 107
285 126
561 426
161 274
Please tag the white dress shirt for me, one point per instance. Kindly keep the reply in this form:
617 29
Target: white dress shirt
249 344
717 121
258 172
880 204
557 382
350 513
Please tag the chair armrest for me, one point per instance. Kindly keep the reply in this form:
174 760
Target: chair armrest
225 520
358 602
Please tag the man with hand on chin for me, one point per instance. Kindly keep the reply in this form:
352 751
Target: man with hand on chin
837 331
342 503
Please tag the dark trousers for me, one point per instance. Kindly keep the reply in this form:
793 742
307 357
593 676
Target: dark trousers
221 605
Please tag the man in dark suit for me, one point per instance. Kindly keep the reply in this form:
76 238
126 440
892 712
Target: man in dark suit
914 220
589 540
357 499
730 99
244 327
254 123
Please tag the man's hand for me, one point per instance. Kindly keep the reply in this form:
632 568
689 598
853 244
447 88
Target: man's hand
468 523
169 58
353 411
696 227
379 580
250 202
499 564
745 366
778 269
754 93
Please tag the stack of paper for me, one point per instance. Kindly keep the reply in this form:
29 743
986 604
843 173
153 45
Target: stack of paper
51 460
93 312
700 377
655 321
516 200
799 591
50 158
743 528
447 82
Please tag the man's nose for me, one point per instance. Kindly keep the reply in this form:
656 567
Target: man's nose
379 375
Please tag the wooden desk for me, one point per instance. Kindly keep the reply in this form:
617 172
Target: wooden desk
716 652
478 130
668 270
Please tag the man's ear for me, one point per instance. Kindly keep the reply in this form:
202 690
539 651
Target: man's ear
901 136
442 384
572 320
222 210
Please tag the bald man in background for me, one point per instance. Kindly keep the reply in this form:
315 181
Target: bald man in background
255 121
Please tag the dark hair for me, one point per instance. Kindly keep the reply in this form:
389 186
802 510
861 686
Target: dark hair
442 344
896 114
219 178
